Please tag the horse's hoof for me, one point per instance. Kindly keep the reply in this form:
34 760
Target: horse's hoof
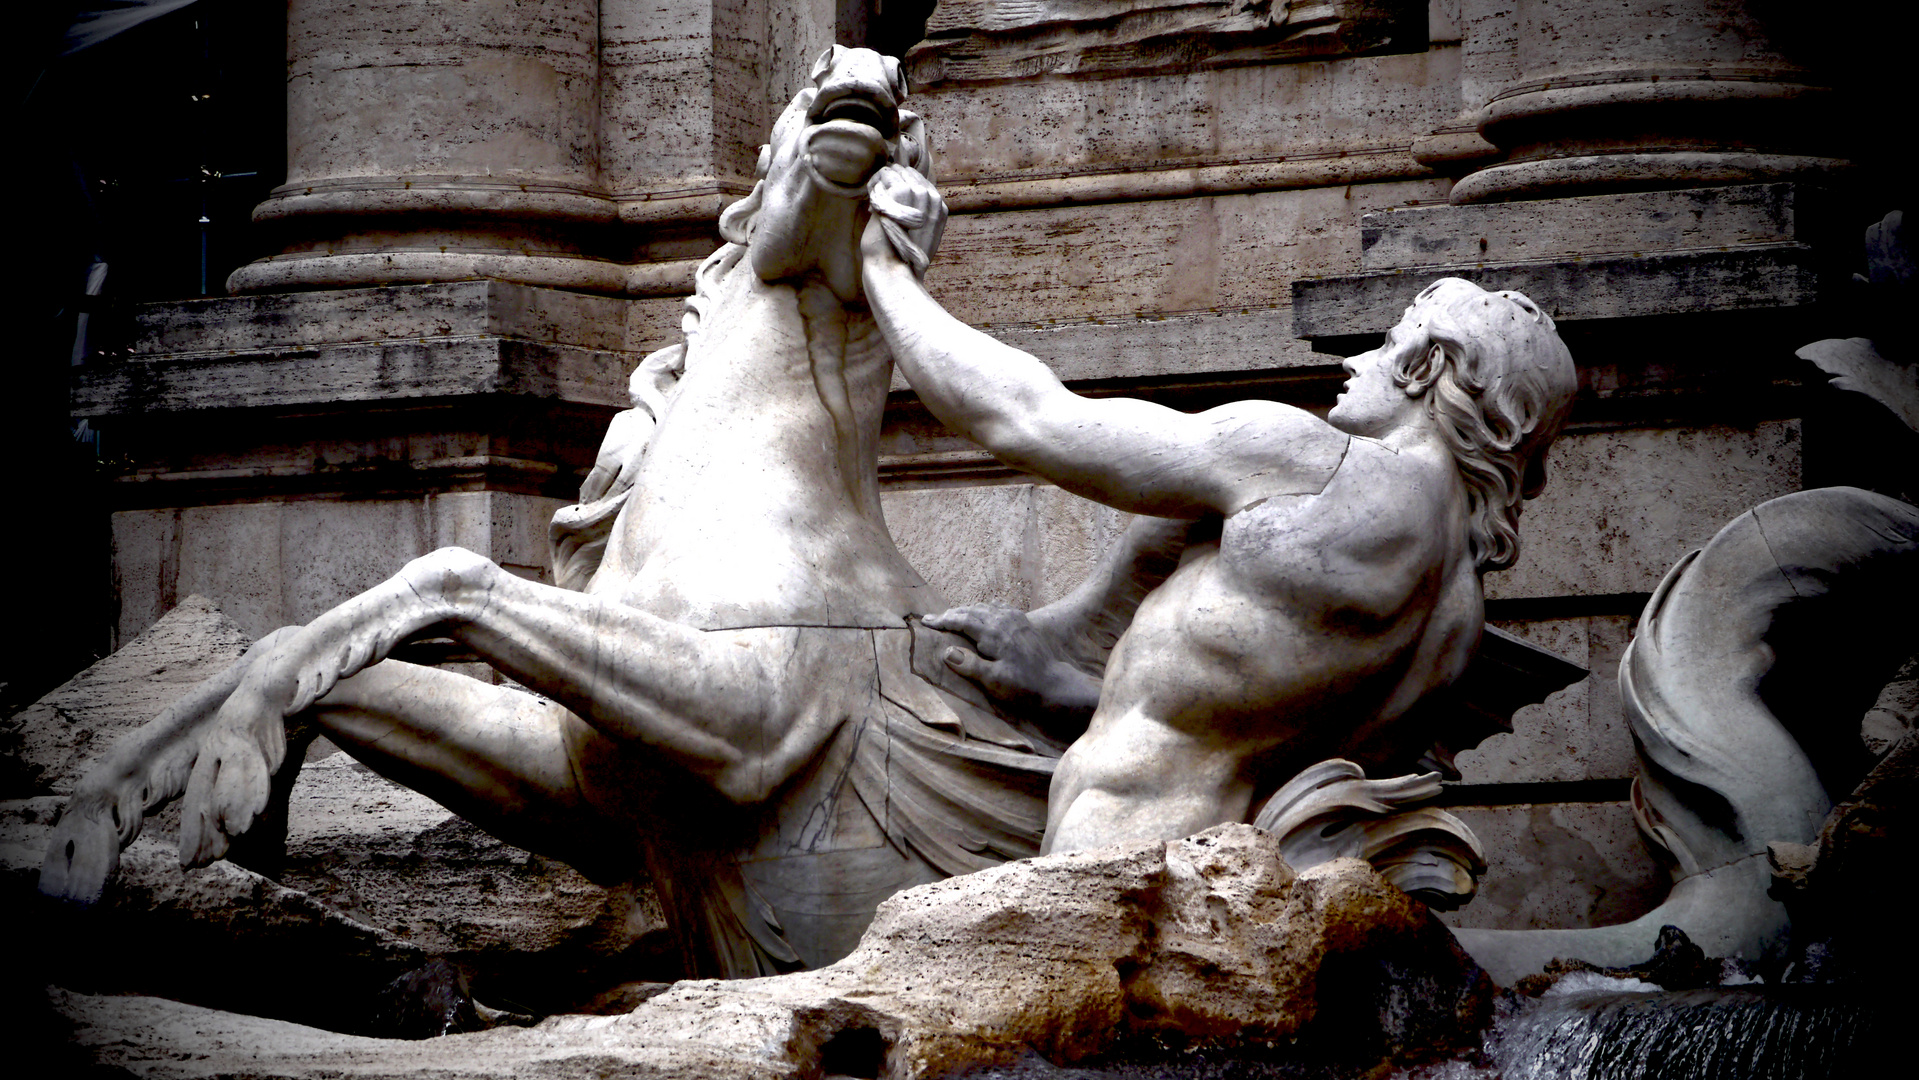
84 852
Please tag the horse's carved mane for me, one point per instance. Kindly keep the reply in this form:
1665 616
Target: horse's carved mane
578 533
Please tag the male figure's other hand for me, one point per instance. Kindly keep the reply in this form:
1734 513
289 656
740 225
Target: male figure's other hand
1019 666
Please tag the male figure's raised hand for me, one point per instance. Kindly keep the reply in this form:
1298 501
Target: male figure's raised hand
909 216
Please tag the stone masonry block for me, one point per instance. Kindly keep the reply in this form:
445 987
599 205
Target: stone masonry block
1761 276
1621 506
1022 545
1560 865
1577 733
1639 221
272 564
1230 115
1100 281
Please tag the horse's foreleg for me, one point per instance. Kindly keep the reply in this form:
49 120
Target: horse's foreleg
702 699
245 743
519 766
145 769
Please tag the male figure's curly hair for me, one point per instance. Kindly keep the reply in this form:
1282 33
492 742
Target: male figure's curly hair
1499 382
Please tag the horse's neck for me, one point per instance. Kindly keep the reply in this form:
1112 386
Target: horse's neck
758 502
773 362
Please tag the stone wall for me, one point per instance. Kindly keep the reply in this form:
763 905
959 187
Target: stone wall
1212 215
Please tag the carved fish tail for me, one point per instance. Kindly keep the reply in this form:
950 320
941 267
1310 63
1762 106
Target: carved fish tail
1722 773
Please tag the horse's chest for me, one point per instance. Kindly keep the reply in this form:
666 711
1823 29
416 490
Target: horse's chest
758 500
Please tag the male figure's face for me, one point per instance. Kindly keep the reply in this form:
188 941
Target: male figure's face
1372 404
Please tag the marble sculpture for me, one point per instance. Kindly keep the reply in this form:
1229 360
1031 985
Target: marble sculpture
732 690
1743 686
1740 685
727 689
1328 571
1750 669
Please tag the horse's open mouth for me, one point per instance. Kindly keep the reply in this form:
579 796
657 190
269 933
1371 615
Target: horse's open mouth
856 108
849 137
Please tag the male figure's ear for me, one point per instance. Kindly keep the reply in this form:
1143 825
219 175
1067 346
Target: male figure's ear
826 61
736 221
1423 372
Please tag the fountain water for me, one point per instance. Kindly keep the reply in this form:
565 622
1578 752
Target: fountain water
1747 1032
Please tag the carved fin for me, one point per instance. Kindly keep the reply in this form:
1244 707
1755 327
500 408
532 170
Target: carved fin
1332 811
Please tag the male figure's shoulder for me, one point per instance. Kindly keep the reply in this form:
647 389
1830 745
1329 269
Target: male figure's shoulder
1265 449
1380 505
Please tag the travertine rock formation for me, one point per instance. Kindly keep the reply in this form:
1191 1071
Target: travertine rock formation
1209 941
44 747
373 879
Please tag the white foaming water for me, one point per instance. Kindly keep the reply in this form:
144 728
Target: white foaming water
1592 982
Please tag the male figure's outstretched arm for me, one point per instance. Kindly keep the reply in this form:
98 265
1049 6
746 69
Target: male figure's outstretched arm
1048 663
1127 453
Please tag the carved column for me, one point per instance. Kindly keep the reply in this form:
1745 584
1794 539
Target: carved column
574 144
366 399
689 89
1615 95
431 140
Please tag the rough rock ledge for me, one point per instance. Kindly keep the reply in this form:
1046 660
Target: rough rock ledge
1211 942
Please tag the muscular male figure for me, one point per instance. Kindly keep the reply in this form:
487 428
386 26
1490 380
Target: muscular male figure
1333 576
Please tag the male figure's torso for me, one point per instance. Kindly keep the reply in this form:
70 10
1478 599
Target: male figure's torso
1313 615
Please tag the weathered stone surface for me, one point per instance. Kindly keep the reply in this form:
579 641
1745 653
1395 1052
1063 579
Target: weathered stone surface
1404 237
506 90
45 747
975 42
1594 257
1762 276
1231 116
285 322
1259 335
1229 253
548 143
394 859
1209 941
1553 865
1022 545
1623 505
409 115
688 90
1693 92
400 407
351 373
220 935
274 564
